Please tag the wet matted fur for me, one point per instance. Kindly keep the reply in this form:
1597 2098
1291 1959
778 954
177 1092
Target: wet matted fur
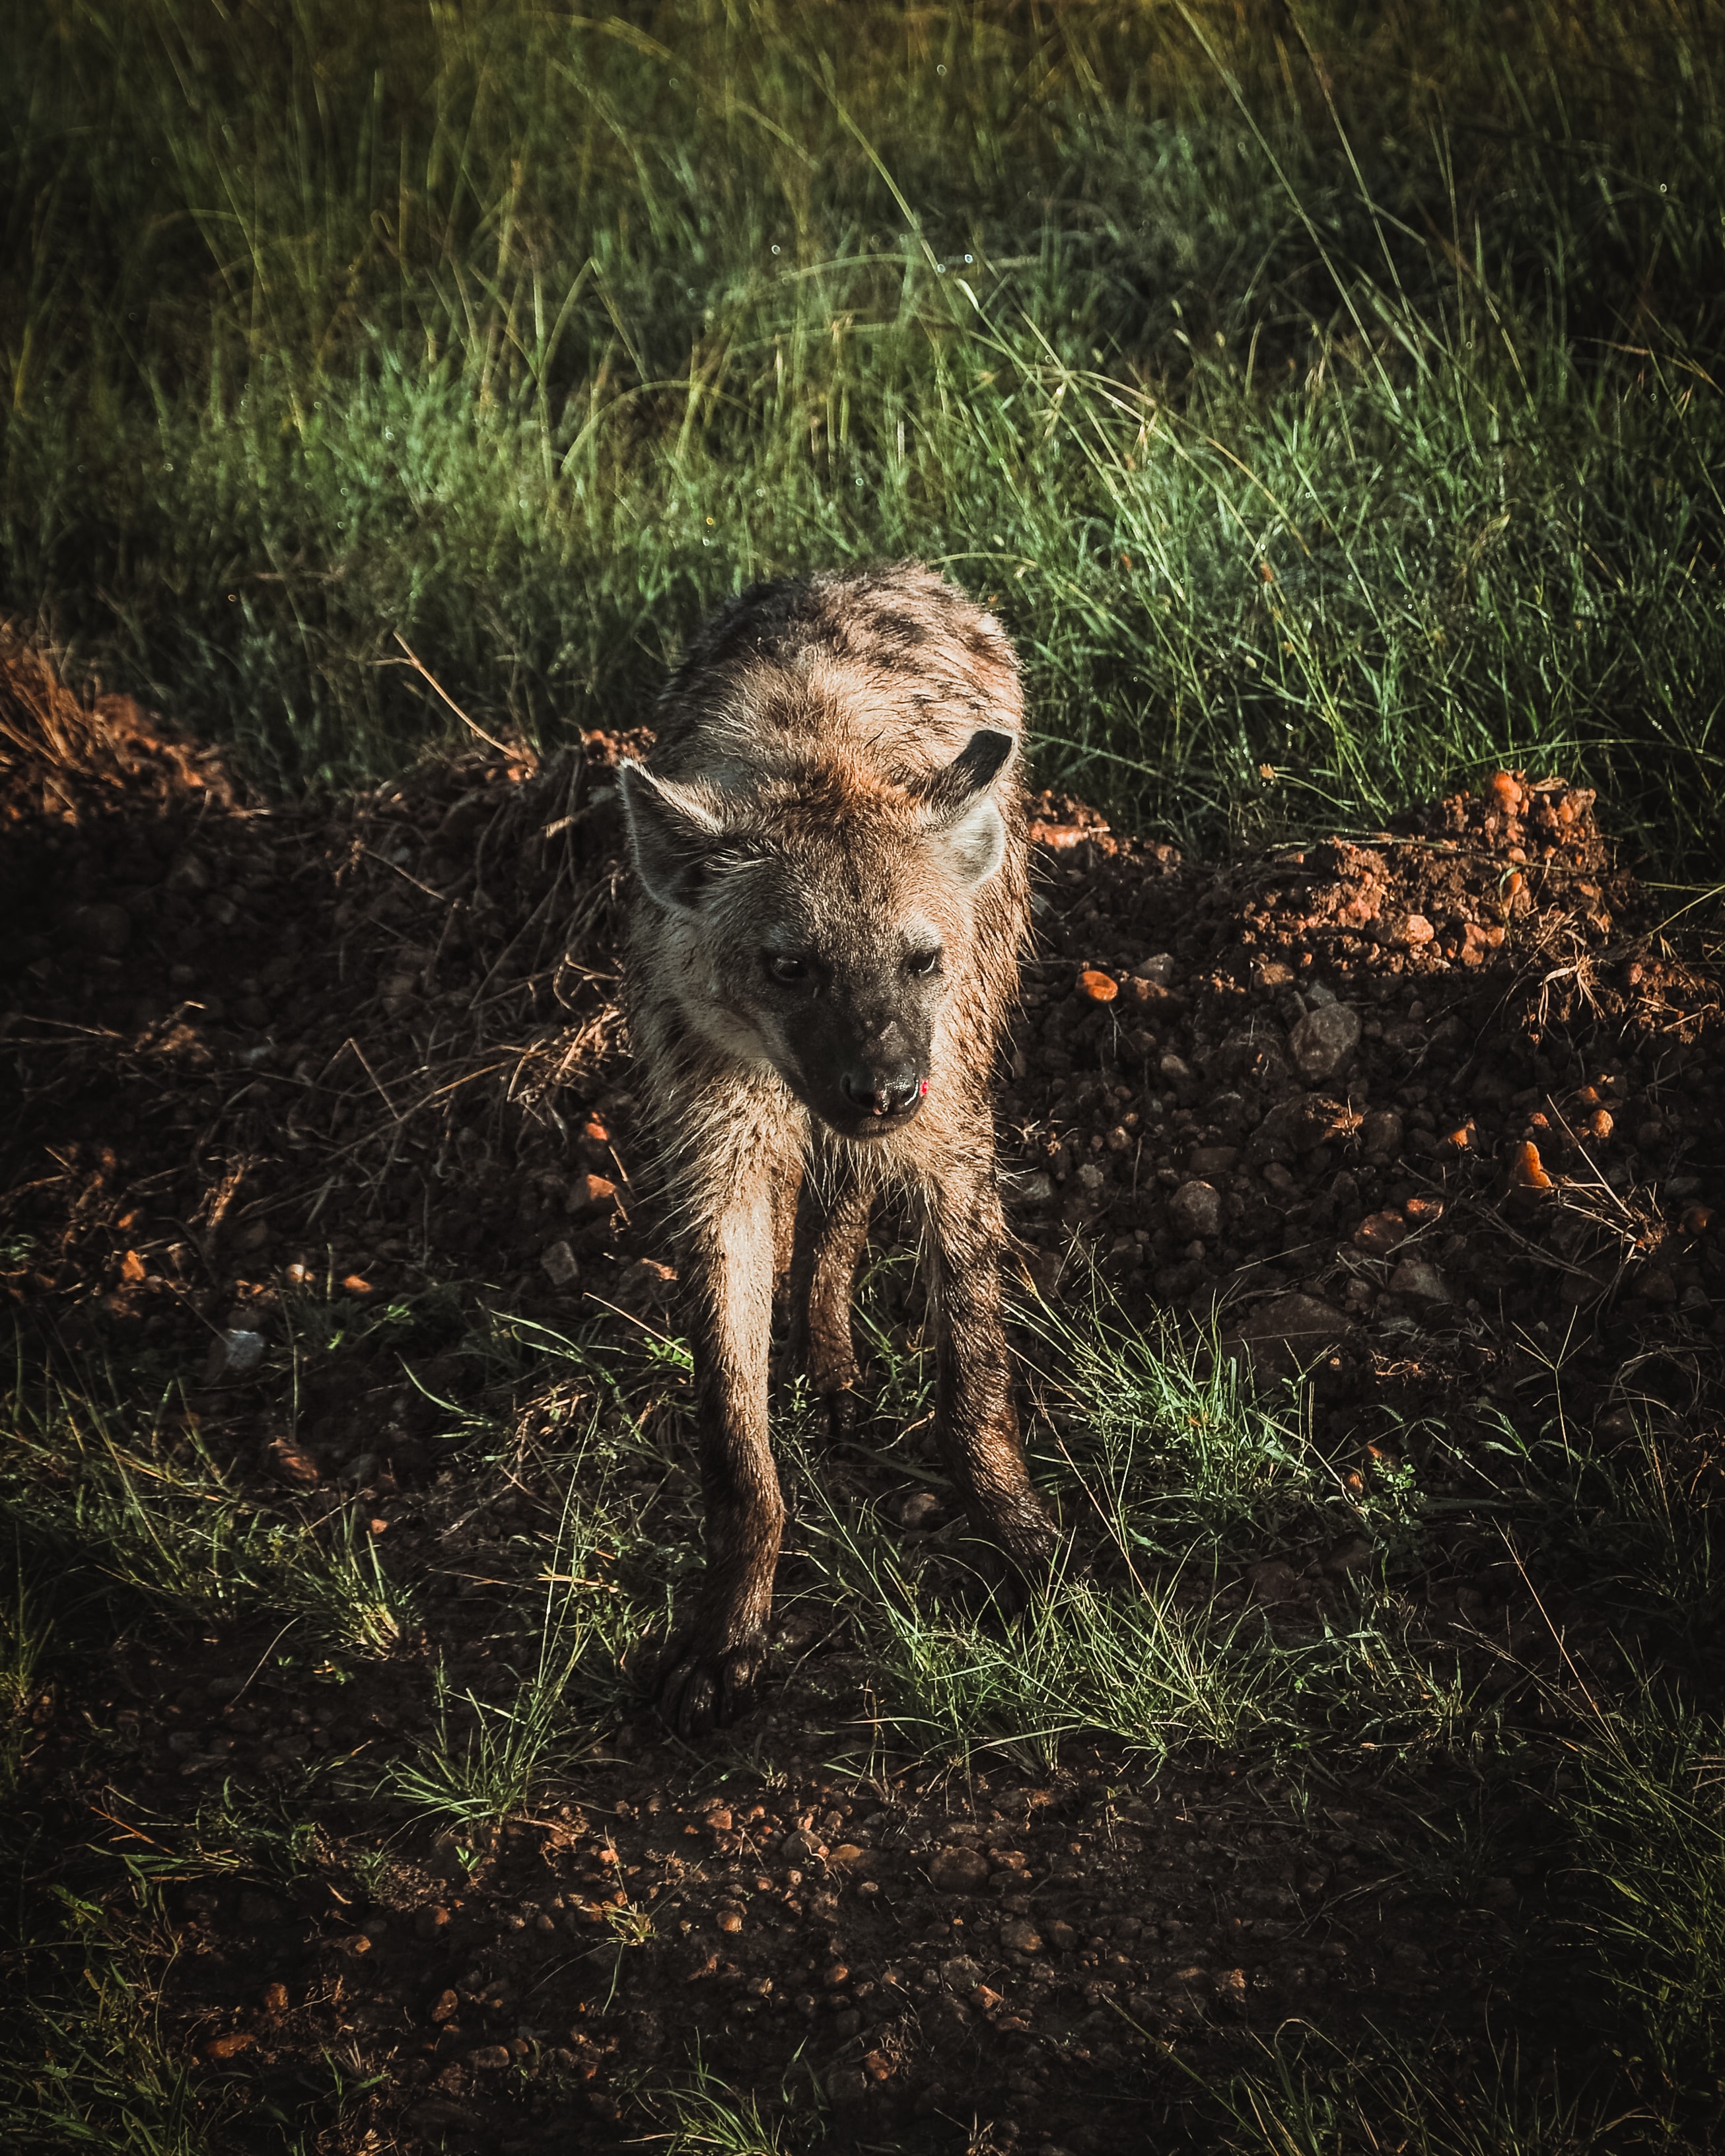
833 890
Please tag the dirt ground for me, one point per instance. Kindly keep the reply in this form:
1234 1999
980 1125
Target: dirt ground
1432 1111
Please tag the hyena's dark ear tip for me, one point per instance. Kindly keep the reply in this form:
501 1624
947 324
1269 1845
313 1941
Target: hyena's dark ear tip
984 754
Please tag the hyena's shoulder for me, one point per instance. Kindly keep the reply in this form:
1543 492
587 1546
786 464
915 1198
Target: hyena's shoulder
894 658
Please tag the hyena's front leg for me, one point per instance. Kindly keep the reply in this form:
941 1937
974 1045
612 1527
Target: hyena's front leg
832 1229
975 1418
728 1272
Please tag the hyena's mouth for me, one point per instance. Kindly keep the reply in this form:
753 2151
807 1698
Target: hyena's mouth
852 1120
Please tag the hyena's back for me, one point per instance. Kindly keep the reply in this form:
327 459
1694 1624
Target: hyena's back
890 668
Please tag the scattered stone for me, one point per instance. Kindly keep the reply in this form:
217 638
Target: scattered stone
646 1284
961 1973
1420 1278
729 1918
801 1847
289 1463
558 1264
1416 931
490 2057
1194 1213
1380 1135
1323 1042
1526 1171
591 1194
1097 986
958 1871
233 1355
230 2045
445 2006
1020 1936
1380 1232
1158 970
1291 1332
921 1509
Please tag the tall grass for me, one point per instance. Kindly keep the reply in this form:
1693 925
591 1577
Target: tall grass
1323 393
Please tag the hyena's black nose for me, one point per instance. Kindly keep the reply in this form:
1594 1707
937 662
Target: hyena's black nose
877 1093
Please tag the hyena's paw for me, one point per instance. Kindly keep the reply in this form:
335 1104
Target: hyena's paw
703 1688
1034 1552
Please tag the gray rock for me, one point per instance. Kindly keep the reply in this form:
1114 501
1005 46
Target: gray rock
1289 1333
1194 1213
1322 1043
1420 1277
234 1353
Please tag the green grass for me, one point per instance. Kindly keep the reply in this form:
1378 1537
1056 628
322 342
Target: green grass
1651 1841
1170 1471
1323 392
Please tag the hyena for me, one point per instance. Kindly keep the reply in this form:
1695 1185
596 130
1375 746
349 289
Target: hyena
829 845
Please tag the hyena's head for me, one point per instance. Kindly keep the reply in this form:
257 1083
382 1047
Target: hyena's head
819 924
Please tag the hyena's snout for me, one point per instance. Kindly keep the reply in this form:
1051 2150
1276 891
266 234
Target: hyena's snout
897 1092
882 1076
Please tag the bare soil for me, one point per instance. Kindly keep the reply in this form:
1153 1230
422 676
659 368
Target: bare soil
1432 1111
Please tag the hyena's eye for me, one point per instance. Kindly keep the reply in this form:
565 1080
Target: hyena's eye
922 963
786 970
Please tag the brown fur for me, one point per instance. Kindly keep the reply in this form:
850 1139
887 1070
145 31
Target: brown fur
838 786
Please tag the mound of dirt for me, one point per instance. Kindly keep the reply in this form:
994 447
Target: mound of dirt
1414 1110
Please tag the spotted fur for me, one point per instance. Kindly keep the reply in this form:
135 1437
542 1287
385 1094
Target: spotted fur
836 786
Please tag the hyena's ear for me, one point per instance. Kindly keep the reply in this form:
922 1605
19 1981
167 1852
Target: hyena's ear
961 812
672 833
